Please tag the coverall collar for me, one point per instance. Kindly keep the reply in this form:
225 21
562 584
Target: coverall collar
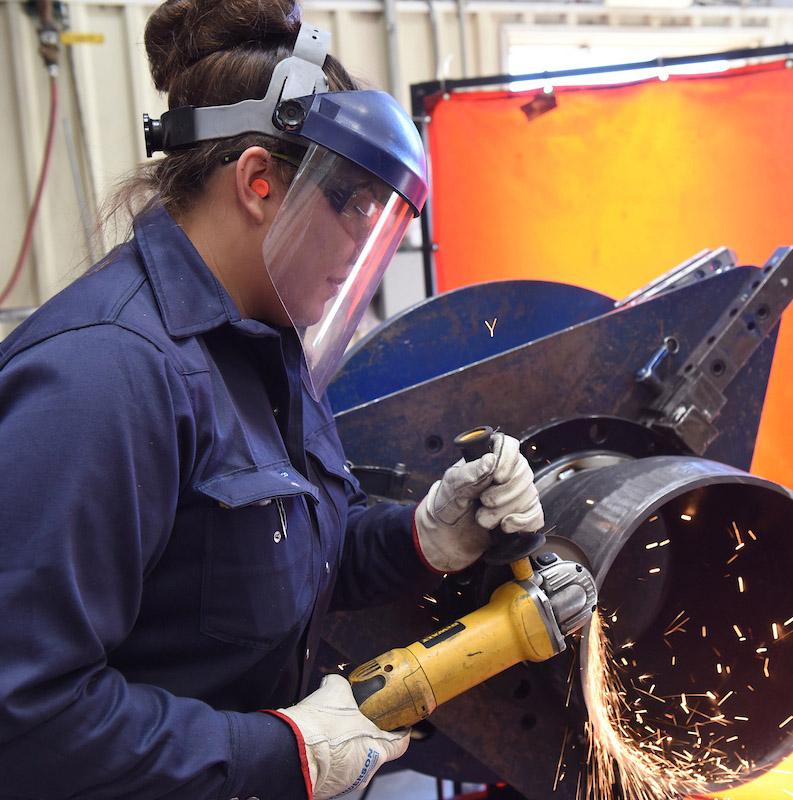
191 299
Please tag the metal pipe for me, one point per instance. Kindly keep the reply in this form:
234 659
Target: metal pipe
692 562
462 26
436 41
15 314
79 190
433 87
391 45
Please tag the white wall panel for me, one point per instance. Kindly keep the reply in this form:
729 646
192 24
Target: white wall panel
113 89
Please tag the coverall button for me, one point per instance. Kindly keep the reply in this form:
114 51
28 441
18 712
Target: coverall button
308 653
327 568
346 468
277 537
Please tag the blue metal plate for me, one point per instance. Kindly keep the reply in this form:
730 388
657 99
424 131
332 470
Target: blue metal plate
449 331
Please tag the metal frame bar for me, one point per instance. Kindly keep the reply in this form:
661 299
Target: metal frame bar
420 93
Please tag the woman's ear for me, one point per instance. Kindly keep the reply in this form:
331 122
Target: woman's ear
254 176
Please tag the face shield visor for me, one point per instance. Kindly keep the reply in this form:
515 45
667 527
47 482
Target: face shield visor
326 251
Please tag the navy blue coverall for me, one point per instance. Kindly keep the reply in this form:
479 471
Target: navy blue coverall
176 518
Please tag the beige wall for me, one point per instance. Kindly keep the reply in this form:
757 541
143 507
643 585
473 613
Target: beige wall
111 86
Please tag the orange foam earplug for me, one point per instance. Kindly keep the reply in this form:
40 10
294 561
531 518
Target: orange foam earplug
261 187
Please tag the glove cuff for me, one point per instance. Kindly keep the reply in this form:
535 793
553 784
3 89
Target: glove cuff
301 749
445 549
420 552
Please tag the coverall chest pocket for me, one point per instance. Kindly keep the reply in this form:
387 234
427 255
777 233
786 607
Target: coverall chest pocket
258 583
335 479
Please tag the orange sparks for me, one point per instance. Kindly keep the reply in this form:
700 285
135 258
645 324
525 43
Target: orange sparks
655 570
775 630
718 668
704 632
765 668
785 722
726 696
787 622
737 631
741 585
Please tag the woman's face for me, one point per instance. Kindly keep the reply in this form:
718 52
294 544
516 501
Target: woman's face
324 249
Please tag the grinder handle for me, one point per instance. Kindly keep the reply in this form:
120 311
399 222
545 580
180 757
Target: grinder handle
505 548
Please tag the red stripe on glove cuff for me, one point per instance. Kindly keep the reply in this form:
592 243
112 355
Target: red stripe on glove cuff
417 545
301 749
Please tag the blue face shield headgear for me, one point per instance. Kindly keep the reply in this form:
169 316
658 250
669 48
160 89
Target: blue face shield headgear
361 181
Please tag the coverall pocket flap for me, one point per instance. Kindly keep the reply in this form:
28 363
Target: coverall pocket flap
330 458
256 485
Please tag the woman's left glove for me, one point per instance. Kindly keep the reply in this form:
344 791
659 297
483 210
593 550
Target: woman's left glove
452 532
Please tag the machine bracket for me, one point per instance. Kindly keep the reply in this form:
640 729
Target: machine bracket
687 405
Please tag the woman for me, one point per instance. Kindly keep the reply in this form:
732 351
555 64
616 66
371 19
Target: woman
176 516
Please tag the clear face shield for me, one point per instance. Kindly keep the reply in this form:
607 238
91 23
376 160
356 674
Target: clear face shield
326 251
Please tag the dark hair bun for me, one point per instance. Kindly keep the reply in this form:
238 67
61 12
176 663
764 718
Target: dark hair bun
181 32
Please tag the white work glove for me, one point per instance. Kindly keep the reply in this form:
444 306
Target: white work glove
343 748
452 532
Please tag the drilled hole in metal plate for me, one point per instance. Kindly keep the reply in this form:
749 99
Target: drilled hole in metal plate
700 273
434 443
528 721
733 312
522 690
672 344
597 434
388 668
717 367
688 368
755 284
762 312
750 326
711 339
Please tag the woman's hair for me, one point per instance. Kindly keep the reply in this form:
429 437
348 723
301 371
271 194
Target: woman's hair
205 53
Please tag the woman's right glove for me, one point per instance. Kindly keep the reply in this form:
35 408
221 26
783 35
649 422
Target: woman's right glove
343 749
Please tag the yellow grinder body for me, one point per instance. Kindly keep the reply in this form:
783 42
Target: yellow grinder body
406 684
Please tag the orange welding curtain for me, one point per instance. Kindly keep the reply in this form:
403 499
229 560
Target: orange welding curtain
615 186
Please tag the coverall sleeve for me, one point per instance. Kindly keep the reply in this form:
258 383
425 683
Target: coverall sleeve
381 558
96 435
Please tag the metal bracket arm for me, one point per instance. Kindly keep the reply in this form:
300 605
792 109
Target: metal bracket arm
695 397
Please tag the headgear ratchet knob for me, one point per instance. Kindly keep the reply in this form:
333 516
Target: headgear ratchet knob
152 134
289 116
